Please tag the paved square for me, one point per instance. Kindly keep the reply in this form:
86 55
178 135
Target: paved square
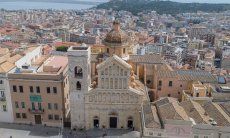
39 131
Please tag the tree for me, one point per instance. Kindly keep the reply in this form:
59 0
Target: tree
62 48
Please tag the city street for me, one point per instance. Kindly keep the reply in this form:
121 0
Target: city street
38 131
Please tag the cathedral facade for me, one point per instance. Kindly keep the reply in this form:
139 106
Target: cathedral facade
114 98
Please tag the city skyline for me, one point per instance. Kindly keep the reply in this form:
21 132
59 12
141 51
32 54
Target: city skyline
125 68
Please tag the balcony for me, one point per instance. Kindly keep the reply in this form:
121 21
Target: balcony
2 99
36 111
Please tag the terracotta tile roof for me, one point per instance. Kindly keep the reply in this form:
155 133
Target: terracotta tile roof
14 58
30 49
167 74
164 67
4 51
217 113
188 75
172 111
150 120
165 100
6 67
148 59
195 111
226 107
169 108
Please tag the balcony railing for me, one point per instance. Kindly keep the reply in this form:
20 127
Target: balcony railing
36 111
2 99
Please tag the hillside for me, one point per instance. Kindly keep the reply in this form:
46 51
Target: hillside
162 7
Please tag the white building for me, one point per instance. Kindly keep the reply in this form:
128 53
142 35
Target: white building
6 113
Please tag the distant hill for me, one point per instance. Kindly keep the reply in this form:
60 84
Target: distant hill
87 2
162 7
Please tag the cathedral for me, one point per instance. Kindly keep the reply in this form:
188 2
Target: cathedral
104 91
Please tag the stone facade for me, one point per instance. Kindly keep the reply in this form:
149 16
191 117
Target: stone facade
109 102
79 82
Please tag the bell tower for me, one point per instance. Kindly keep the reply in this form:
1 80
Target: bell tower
79 71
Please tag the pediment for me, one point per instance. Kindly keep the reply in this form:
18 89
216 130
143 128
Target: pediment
114 60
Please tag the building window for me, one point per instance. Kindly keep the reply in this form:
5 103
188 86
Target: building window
55 90
2 94
197 94
14 88
56 106
78 72
24 115
1 81
31 89
4 108
23 104
16 105
78 85
160 83
50 117
50 106
38 89
123 50
181 85
170 83
33 106
40 106
169 95
48 89
21 89
18 115
56 117
107 50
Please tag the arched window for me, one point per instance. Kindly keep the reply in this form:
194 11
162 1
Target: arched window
78 85
78 72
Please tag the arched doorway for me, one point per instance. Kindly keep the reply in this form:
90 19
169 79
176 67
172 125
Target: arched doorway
96 122
113 120
130 122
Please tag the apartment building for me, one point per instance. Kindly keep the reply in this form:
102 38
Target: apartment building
37 91
172 83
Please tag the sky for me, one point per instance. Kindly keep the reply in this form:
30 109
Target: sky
204 1
185 1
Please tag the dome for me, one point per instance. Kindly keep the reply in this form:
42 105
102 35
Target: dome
116 35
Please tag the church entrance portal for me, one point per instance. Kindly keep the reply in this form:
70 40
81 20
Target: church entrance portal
96 123
130 124
113 122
